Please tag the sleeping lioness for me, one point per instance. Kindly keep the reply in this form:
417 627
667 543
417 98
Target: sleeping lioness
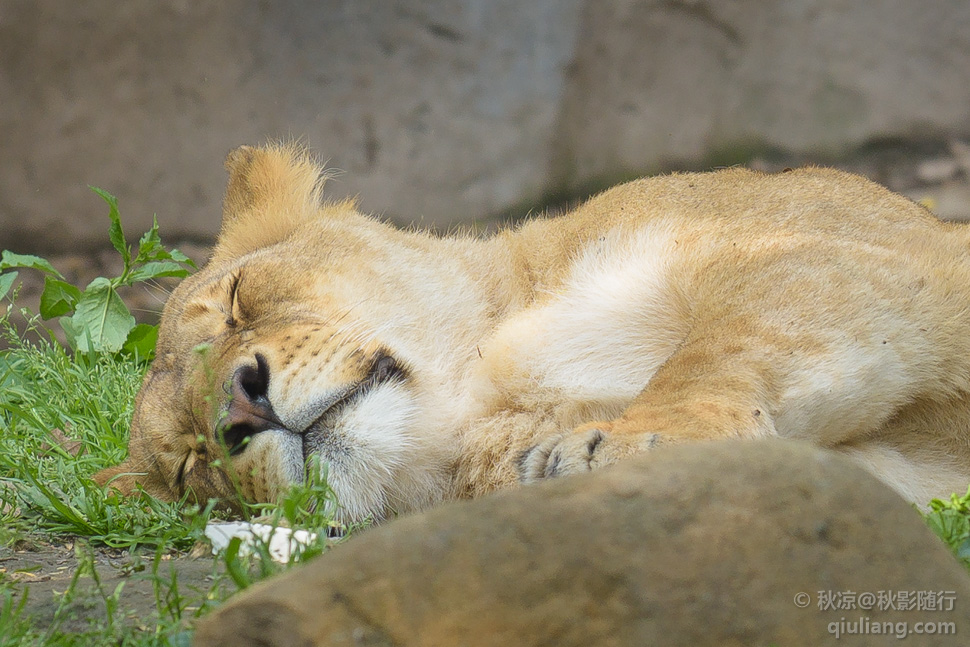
811 305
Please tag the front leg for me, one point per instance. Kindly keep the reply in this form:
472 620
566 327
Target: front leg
703 392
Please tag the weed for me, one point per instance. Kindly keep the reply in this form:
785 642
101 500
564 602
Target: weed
64 414
14 626
99 321
950 520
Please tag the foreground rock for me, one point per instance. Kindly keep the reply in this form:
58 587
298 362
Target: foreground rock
735 543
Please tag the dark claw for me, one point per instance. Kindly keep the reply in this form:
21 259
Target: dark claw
552 467
523 458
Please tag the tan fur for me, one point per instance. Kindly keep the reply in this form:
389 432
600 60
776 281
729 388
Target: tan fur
813 305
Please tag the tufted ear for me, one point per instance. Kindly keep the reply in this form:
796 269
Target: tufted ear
272 190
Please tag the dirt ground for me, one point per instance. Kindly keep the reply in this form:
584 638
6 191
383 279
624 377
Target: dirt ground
44 574
936 173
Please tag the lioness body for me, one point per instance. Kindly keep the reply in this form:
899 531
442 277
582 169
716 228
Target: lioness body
812 304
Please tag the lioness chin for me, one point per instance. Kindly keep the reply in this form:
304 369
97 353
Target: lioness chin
811 305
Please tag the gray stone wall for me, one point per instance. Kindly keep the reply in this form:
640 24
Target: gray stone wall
443 111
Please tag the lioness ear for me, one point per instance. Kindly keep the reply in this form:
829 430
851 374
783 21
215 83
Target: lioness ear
272 190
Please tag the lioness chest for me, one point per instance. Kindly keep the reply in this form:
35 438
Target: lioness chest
589 344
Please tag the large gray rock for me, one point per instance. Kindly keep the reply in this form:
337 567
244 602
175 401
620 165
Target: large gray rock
438 109
691 79
442 110
725 543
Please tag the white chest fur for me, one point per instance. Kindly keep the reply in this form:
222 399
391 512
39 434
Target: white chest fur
589 345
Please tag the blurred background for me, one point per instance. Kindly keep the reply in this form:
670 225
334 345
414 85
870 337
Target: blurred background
438 112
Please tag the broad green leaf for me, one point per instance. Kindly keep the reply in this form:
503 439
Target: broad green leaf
58 502
157 270
181 639
141 342
101 317
949 525
58 298
115 232
9 376
234 566
6 282
8 260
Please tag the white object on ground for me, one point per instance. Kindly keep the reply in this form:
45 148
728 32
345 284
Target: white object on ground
282 542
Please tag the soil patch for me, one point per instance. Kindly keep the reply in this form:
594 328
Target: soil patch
45 573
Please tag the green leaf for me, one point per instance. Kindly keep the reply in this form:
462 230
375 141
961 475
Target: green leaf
234 566
6 282
101 321
59 298
181 639
57 501
150 246
67 325
951 526
115 232
141 342
176 255
963 550
8 260
156 270
10 377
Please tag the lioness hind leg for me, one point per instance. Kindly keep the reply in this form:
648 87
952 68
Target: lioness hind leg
703 392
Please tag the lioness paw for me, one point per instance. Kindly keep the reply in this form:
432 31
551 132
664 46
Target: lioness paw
588 447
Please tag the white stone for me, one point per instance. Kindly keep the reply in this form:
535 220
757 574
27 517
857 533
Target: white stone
281 542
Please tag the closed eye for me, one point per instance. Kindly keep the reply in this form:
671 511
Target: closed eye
233 298
384 368
180 477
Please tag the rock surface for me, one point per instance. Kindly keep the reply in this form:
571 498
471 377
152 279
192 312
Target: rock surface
443 111
731 543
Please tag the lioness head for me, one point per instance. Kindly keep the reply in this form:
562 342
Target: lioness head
299 339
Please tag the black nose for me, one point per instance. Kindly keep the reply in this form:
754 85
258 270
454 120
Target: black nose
249 411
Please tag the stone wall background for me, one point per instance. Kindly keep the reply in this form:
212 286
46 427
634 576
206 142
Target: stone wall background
447 111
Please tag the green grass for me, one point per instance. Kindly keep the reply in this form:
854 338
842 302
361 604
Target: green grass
47 495
89 398
46 492
64 415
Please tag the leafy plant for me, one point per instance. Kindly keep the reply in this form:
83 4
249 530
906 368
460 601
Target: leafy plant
951 521
64 414
95 319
